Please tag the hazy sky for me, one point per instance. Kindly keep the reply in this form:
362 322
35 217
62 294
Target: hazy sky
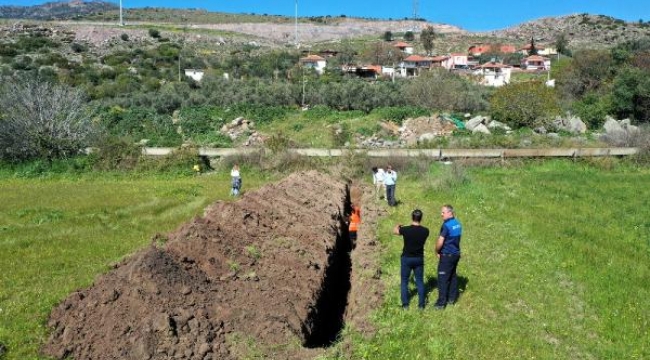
476 15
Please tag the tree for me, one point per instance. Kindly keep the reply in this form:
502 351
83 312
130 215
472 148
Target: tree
388 36
408 36
440 89
525 104
561 44
42 120
426 37
533 49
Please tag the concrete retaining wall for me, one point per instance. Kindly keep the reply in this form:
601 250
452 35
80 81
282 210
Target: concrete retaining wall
430 153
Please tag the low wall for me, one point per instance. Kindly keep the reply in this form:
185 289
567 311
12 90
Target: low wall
431 153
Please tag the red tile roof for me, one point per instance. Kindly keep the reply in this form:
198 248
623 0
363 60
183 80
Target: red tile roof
416 58
312 58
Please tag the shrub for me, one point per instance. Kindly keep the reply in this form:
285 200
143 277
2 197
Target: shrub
439 89
399 114
154 33
42 120
593 109
524 104
124 37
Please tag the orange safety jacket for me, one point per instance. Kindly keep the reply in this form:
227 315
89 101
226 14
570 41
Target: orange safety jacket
355 219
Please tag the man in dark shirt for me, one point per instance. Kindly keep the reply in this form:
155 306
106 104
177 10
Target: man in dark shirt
415 236
448 251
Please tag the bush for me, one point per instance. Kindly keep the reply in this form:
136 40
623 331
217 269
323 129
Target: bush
592 109
440 89
42 120
399 114
524 104
154 33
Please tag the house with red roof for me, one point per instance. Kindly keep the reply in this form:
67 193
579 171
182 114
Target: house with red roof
314 62
493 74
536 62
414 64
406 48
483 48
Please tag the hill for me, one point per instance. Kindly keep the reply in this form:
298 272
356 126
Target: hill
580 30
55 10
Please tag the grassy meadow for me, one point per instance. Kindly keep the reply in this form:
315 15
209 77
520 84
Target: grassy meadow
555 256
555 265
57 234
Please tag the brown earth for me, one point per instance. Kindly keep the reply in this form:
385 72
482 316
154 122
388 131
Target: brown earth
273 273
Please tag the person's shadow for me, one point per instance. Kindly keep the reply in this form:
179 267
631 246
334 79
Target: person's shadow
431 284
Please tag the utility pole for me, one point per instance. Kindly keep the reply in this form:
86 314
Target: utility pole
121 20
297 46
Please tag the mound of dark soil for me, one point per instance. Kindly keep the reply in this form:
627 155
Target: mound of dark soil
274 266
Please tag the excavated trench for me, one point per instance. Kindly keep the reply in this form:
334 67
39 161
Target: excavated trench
326 320
273 265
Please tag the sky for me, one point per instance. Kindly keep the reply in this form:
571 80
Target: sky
473 15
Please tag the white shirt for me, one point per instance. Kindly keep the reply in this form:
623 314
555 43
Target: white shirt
378 177
390 178
234 173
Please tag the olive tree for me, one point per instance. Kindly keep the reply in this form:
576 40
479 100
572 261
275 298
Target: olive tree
42 120
525 104
426 37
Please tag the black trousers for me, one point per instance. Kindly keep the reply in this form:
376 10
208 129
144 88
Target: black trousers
447 279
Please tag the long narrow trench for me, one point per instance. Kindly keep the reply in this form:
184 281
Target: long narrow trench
326 320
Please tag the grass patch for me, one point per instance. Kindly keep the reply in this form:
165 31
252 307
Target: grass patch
545 274
57 234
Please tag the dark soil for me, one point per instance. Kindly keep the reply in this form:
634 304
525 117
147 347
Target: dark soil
272 274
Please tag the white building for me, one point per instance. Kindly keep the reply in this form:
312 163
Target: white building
195 74
314 62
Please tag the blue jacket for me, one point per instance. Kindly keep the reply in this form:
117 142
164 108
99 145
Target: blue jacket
452 231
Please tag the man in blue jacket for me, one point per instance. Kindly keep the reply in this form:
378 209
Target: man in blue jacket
448 251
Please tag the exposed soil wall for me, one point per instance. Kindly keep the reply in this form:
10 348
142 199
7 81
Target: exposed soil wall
273 266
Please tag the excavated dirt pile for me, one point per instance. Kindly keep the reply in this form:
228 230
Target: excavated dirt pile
273 266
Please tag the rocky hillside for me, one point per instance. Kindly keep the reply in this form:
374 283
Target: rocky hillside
581 30
55 10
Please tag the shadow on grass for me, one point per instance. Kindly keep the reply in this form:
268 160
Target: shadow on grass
431 284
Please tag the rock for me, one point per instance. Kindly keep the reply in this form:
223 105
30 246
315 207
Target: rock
426 137
612 126
498 125
481 128
472 123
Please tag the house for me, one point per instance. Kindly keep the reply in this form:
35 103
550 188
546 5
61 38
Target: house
314 62
195 74
406 48
413 64
442 61
536 62
363 71
543 50
478 49
457 61
483 48
494 74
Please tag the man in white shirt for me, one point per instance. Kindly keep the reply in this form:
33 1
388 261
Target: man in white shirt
390 178
378 180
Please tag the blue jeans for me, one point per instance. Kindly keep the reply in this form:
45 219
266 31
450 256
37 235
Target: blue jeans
416 264
447 280
390 195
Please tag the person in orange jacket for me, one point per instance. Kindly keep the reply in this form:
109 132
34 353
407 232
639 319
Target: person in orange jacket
354 222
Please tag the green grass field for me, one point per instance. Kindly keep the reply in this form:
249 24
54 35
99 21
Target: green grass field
555 262
555 266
